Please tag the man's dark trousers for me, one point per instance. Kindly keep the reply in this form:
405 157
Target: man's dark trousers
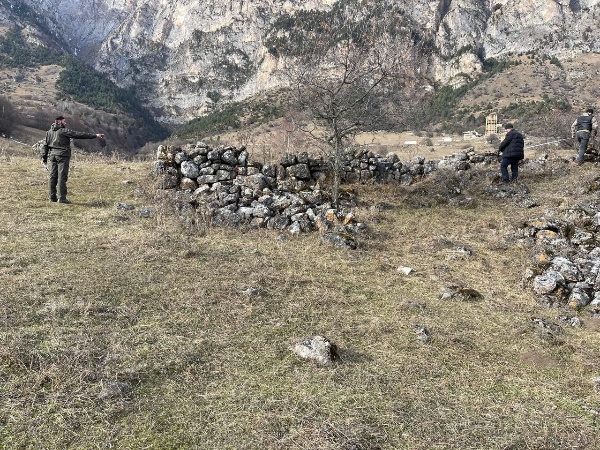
513 162
59 173
583 137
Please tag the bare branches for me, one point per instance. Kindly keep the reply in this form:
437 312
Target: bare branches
342 79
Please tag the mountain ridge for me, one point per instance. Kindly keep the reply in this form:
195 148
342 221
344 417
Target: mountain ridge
181 52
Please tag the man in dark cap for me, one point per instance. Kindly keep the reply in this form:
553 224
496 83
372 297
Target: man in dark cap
584 127
512 149
56 152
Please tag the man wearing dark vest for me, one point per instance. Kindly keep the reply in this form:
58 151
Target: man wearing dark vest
584 128
512 149
56 152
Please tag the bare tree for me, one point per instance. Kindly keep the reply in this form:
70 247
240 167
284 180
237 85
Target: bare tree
555 125
344 81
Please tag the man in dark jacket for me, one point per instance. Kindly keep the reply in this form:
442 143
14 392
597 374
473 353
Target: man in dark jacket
512 148
586 127
56 152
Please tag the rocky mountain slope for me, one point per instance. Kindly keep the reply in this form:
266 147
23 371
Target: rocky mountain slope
185 56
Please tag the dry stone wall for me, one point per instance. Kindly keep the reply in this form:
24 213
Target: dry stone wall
288 195
233 190
568 265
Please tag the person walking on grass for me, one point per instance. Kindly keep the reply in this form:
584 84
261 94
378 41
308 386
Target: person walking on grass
56 155
584 128
512 149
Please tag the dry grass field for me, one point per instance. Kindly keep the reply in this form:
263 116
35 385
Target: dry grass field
32 92
124 332
533 80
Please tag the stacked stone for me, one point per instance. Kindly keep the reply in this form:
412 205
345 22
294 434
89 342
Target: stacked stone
362 166
197 165
570 260
286 195
234 190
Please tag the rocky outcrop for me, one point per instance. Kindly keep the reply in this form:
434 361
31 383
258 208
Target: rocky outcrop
189 55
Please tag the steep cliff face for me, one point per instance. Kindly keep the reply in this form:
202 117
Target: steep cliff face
78 26
556 27
188 55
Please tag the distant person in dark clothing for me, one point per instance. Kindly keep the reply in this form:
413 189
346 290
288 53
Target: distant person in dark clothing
512 149
56 153
585 127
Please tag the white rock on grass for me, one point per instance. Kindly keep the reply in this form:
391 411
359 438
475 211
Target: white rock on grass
316 348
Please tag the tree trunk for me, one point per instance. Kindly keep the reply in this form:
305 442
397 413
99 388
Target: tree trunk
337 172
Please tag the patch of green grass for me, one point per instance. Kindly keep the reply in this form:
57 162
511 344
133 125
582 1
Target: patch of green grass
234 116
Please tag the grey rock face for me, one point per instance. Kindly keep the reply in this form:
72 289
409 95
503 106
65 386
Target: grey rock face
184 50
548 282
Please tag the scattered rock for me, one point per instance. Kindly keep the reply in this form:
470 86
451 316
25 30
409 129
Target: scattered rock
461 293
423 333
318 349
146 213
252 292
595 313
571 321
124 207
459 252
546 324
112 389
344 241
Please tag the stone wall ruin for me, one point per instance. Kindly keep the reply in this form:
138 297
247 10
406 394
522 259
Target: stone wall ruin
287 195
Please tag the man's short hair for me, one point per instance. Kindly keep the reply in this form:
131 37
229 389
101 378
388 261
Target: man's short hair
59 118
508 126
590 111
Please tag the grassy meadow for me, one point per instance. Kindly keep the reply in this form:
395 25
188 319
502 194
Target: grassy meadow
128 332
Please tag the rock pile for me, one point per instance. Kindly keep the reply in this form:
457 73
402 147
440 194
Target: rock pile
569 263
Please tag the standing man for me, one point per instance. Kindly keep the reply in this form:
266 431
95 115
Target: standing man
585 126
57 152
512 149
